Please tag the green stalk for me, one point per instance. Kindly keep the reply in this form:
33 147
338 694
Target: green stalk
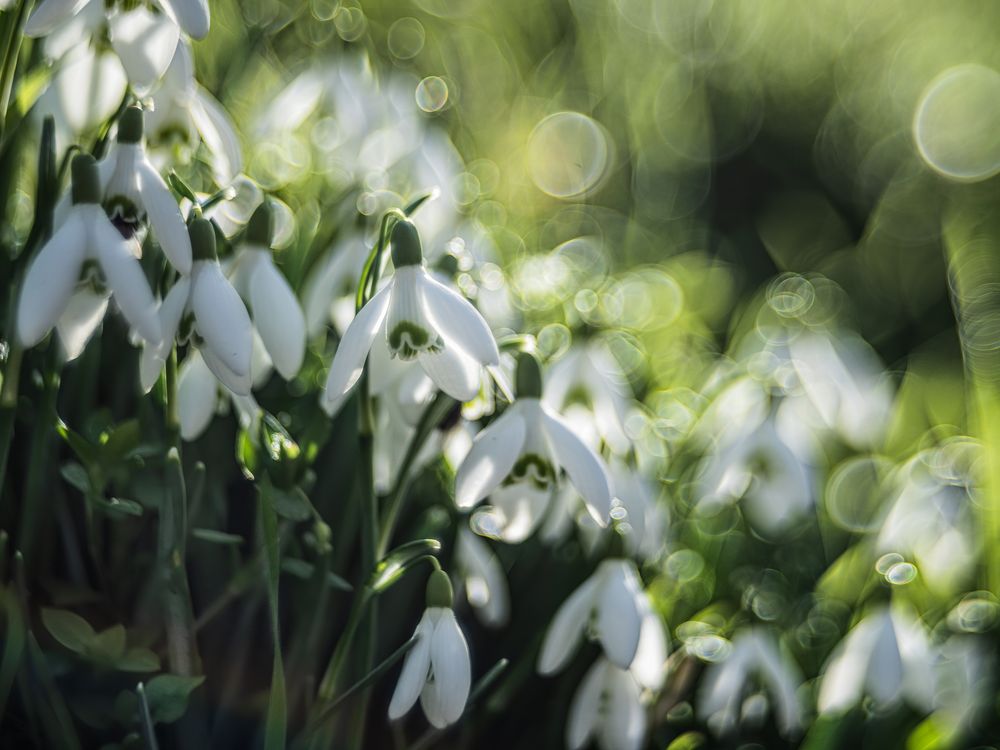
182 646
277 709
12 51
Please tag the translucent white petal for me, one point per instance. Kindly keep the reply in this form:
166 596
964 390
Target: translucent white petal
585 709
145 42
619 622
514 511
80 319
164 216
124 275
50 15
453 372
221 319
844 676
450 666
50 280
170 313
416 668
192 15
458 321
219 135
649 664
349 359
884 676
586 470
278 318
197 396
238 384
624 720
85 90
567 627
492 456
485 580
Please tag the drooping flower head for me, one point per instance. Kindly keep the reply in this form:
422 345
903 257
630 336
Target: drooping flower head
421 319
85 250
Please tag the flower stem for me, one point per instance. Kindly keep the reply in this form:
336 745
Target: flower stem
12 50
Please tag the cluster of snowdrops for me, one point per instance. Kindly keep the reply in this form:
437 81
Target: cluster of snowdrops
552 444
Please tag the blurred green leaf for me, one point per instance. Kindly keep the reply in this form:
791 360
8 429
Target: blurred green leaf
167 696
71 630
397 562
109 644
304 571
76 476
138 659
217 537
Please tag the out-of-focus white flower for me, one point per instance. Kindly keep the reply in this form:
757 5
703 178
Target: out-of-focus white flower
611 607
608 708
484 579
515 462
437 668
887 657
50 15
274 307
329 290
220 324
135 193
933 519
733 690
644 514
184 114
589 373
964 681
85 248
753 465
422 319
198 398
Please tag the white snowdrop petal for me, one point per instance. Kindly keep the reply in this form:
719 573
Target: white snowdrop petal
85 91
514 511
585 469
585 709
453 372
218 133
843 679
79 320
458 321
884 675
492 456
49 15
349 359
450 666
239 384
197 396
619 622
122 271
50 280
485 579
624 726
221 318
278 318
416 667
145 42
649 663
170 313
165 217
191 15
567 627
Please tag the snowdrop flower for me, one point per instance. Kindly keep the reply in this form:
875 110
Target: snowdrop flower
933 517
756 466
86 248
422 319
608 708
590 373
183 114
200 396
437 668
887 657
728 692
328 295
135 193
965 679
191 15
645 515
219 322
515 462
611 607
274 308
484 579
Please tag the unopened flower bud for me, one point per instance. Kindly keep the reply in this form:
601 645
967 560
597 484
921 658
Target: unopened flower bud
130 126
260 228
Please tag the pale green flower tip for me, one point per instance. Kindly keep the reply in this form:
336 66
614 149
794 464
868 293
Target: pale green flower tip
406 250
260 228
439 590
202 235
529 376
130 127
86 180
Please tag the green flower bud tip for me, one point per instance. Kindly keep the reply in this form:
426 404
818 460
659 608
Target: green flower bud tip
260 228
86 180
439 591
529 376
130 126
406 250
202 235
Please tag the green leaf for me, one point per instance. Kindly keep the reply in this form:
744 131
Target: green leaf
291 504
304 571
87 452
71 630
15 640
109 645
276 727
397 562
138 659
119 443
688 741
76 476
181 188
167 696
117 507
217 537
